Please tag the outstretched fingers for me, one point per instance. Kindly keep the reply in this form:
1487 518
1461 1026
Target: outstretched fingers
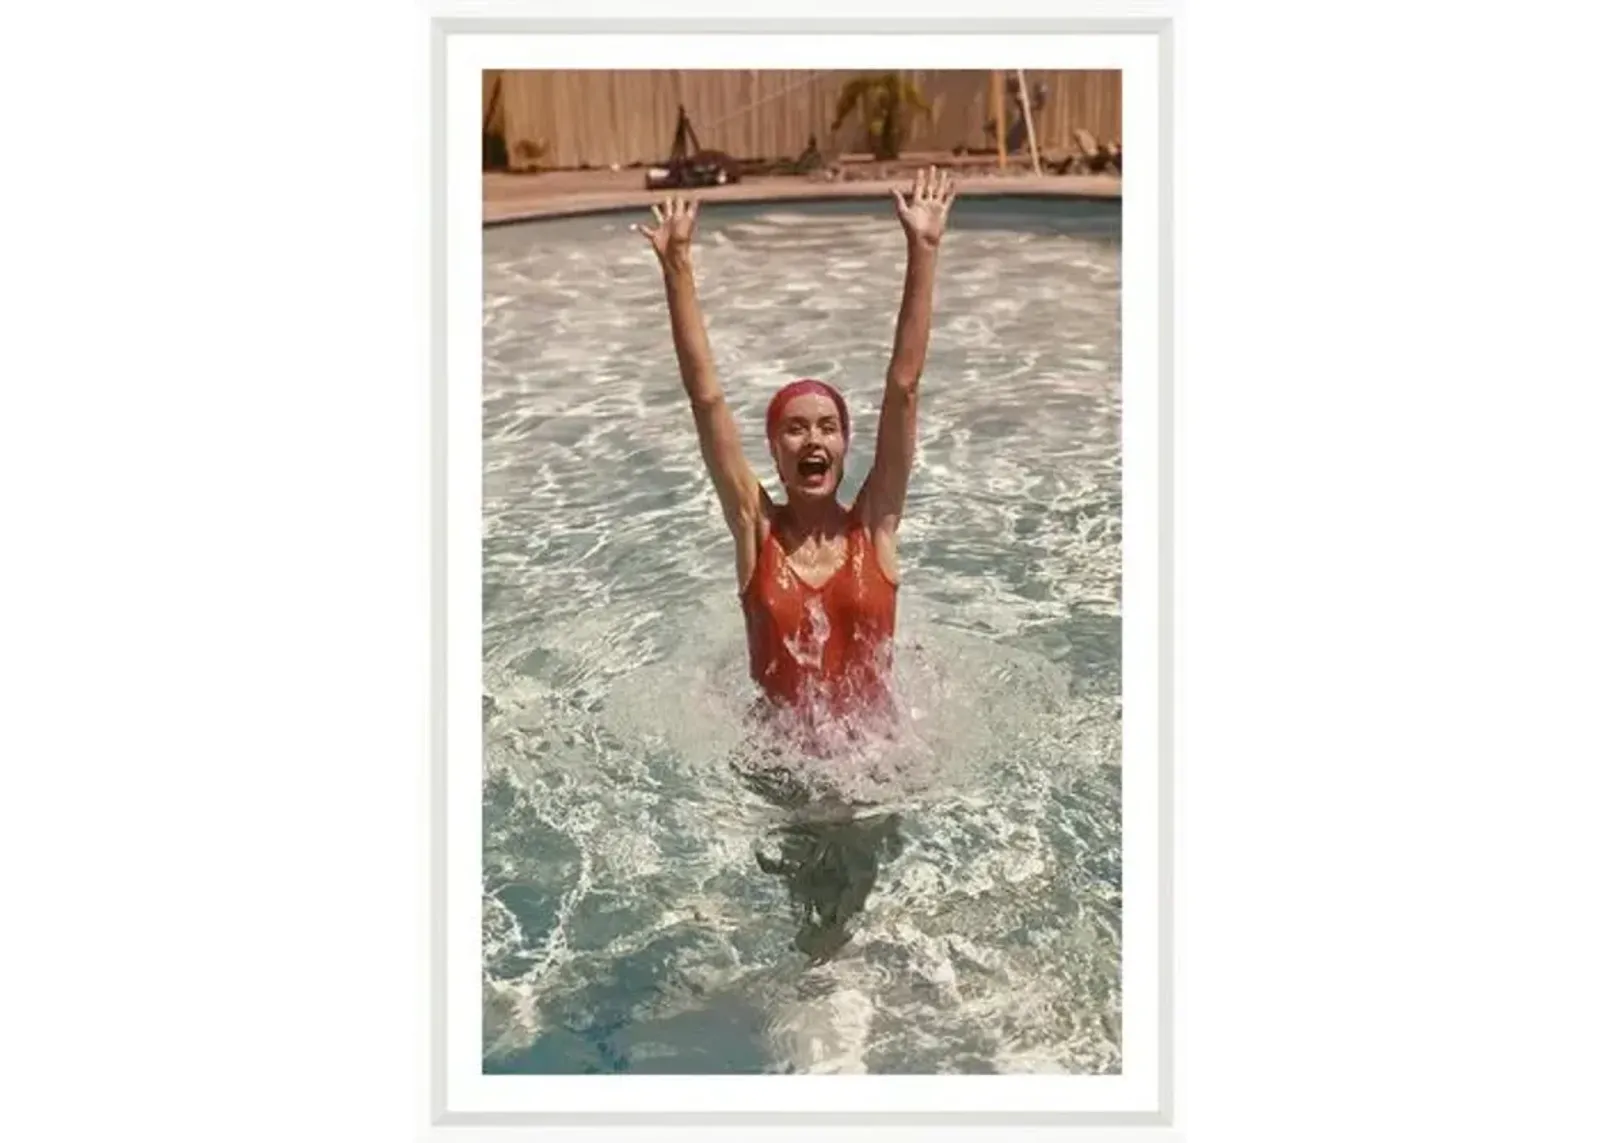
676 208
930 184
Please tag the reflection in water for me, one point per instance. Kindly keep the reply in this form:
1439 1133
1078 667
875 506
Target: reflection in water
830 868
830 850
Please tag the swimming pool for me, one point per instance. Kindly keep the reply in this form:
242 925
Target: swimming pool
647 910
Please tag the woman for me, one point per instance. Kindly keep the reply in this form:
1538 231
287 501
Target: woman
818 580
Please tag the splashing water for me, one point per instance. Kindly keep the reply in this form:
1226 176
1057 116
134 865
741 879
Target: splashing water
666 888
808 644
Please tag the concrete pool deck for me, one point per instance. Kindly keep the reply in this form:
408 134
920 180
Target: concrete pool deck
552 194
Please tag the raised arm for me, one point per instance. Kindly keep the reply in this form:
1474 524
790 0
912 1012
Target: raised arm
738 490
923 218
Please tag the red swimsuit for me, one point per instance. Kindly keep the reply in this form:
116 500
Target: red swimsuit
821 650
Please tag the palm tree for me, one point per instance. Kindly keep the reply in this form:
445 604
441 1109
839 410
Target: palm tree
886 101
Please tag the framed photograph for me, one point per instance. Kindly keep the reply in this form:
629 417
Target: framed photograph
802 583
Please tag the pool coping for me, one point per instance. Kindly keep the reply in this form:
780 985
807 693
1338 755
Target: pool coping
1064 188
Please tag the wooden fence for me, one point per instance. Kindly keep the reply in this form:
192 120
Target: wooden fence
597 118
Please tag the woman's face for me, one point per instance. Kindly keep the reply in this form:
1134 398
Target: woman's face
809 447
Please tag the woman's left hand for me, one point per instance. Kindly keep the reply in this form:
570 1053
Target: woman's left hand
923 215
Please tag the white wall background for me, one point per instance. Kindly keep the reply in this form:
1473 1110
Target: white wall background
213 584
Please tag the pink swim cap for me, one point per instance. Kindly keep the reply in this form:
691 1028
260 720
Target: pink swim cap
799 389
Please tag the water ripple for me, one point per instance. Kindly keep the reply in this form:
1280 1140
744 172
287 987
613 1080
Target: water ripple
648 905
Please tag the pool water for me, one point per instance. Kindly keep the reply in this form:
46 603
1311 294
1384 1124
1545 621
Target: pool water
950 902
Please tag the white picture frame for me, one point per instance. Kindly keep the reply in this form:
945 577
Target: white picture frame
457 1107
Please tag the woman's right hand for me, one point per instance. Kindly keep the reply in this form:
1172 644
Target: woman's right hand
674 229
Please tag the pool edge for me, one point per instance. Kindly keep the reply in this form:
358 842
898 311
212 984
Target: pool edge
636 201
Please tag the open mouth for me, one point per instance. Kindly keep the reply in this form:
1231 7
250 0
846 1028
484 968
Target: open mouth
813 466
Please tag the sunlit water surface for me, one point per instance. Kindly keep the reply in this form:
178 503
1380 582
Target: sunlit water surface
649 904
